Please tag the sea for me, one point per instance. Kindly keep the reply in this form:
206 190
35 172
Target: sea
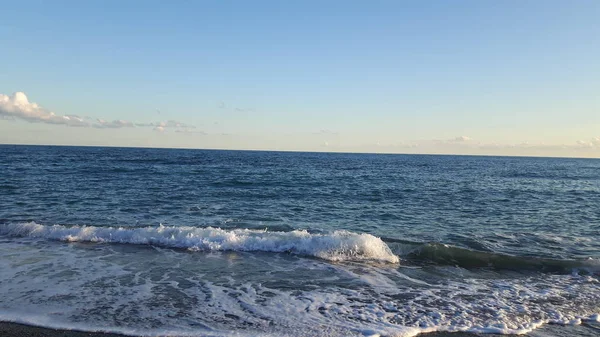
153 242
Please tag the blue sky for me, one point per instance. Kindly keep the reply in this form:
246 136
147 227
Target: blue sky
482 77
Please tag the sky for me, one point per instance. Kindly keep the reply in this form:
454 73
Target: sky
452 77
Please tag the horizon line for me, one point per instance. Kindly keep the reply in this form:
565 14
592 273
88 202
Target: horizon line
300 151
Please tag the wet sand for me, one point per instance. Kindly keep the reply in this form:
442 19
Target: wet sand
584 330
21 330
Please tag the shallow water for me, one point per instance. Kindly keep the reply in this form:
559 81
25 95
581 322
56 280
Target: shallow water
218 243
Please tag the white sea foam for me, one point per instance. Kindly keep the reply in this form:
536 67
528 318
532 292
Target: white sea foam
336 246
154 292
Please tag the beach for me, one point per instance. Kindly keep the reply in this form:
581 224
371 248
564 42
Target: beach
21 330
300 168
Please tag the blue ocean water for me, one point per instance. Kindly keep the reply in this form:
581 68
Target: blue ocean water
245 243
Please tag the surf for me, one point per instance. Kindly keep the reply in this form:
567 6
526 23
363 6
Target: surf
336 246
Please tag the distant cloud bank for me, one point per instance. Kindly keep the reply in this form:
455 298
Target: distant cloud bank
17 106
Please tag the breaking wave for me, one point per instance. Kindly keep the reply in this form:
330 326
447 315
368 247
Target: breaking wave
335 246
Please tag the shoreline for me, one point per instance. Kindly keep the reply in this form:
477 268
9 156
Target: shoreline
11 329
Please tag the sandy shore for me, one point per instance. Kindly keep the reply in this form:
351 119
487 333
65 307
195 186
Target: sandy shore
21 330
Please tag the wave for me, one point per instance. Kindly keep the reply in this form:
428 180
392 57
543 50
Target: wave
335 246
442 254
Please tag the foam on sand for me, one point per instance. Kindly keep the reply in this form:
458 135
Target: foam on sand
155 292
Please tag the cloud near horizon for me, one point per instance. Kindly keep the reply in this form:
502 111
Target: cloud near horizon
461 139
116 124
592 143
468 145
17 106
326 132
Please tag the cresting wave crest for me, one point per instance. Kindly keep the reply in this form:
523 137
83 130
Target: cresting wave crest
335 246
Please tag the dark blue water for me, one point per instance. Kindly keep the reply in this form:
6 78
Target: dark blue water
237 242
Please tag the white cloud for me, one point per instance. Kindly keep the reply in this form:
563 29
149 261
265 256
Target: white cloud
166 124
592 143
100 123
175 124
17 106
461 139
